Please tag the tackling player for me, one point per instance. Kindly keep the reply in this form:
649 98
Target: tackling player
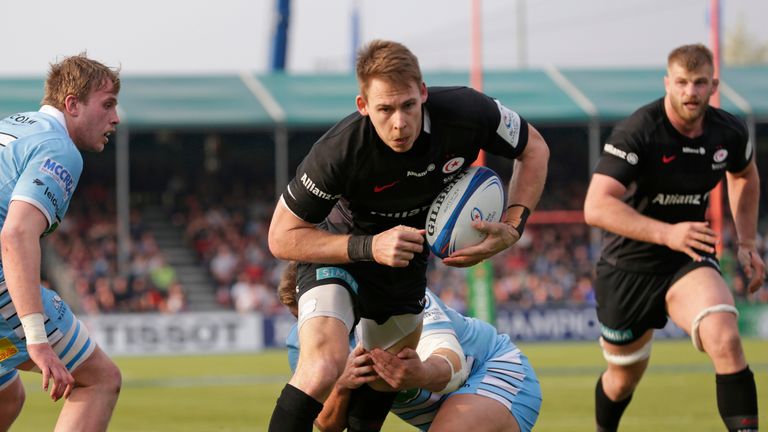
492 386
649 193
40 164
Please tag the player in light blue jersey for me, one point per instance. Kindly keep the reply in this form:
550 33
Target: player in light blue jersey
40 164
498 392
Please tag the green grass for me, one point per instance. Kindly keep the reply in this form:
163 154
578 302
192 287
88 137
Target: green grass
238 392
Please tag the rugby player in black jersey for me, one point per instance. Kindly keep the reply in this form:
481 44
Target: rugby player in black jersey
649 193
379 170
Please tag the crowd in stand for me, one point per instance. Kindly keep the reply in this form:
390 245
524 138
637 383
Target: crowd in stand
551 265
86 245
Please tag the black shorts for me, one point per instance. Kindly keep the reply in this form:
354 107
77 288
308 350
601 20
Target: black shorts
374 304
630 303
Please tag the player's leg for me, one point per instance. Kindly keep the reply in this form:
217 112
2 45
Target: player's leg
325 319
630 305
370 403
90 405
700 303
11 399
466 412
617 384
502 394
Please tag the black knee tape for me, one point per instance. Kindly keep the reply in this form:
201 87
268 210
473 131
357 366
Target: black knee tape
295 411
368 409
607 412
737 400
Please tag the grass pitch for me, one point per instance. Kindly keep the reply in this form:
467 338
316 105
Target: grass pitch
238 392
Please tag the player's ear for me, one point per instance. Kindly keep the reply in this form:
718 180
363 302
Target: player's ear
71 105
715 84
362 105
423 92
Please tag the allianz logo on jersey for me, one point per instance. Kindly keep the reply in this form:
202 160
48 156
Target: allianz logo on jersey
630 157
59 174
401 214
312 188
680 199
430 168
694 150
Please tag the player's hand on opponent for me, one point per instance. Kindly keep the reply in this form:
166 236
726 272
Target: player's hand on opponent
402 371
358 370
52 369
500 236
752 263
397 246
690 237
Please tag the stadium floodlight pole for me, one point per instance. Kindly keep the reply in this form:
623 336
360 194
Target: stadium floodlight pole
355 18
476 63
716 197
280 39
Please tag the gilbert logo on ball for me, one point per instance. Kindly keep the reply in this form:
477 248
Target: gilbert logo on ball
475 194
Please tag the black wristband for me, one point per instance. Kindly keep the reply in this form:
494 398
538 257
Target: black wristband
523 218
360 248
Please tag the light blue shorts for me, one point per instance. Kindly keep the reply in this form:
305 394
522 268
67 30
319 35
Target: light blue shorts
67 335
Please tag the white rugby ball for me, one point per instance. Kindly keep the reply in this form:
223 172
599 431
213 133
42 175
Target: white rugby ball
475 194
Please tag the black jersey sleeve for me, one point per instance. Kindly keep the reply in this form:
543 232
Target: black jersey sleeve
743 148
317 185
510 132
622 156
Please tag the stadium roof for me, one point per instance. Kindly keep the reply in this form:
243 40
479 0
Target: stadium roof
249 101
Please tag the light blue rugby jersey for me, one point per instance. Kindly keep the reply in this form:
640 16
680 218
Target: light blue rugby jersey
479 340
39 164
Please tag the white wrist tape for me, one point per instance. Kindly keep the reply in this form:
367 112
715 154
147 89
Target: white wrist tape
34 328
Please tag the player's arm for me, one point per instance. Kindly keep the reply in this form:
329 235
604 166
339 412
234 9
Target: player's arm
744 196
292 238
20 240
525 188
438 365
603 208
357 372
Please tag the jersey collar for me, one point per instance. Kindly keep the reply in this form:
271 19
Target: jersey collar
426 123
55 113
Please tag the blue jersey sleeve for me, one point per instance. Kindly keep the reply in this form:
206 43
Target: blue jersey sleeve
49 174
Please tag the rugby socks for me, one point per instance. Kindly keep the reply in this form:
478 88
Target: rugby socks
737 400
295 411
607 412
368 409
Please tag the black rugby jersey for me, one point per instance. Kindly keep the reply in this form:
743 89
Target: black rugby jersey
375 188
668 176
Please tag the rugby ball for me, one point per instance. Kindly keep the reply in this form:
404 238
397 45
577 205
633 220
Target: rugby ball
476 193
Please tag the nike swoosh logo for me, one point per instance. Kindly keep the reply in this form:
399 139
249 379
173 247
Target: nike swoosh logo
378 189
668 159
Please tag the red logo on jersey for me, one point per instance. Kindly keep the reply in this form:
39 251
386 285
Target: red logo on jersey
378 189
668 159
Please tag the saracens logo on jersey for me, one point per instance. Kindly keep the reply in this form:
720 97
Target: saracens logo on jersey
509 125
60 174
453 165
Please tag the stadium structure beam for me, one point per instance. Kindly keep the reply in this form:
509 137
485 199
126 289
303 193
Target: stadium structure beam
277 113
593 128
123 197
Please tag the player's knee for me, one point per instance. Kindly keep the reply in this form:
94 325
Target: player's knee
113 379
723 344
726 336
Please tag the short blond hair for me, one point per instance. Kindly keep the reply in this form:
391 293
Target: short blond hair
78 76
691 57
387 60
